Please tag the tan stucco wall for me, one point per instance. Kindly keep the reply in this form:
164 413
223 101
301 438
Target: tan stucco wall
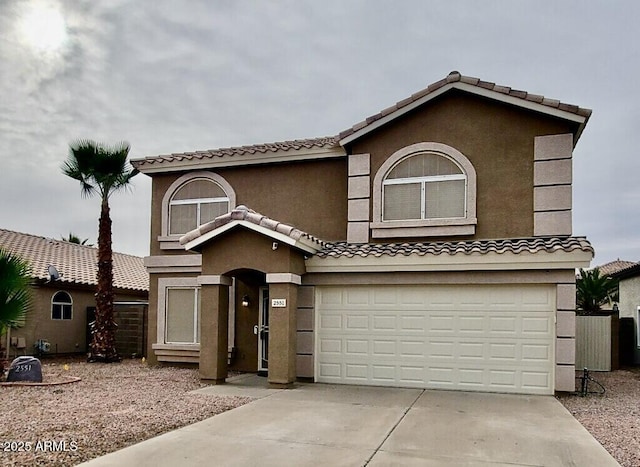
629 297
65 336
243 249
310 195
496 138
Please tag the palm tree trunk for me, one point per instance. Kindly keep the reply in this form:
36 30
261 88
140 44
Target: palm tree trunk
103 346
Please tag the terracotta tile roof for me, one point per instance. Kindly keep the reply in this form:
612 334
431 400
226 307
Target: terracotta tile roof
294 145
614 266
243 213
76 263
528 245
456 77
630 271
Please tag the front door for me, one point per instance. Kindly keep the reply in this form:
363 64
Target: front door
263 331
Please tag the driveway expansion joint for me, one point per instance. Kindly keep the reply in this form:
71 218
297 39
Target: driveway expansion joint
404 414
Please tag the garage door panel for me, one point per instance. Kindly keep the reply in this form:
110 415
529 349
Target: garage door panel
491 338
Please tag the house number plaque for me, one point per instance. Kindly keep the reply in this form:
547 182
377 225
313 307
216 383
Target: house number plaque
278 303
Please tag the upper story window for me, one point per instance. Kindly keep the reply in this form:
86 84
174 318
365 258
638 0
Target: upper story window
196 203
61 306
425 189
191 201
424 186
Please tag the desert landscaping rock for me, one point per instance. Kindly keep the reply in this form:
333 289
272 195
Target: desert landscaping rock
113 406
613 418
119 404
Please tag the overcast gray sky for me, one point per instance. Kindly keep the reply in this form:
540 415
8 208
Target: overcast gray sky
174 76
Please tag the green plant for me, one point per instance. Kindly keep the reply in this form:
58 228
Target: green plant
73 238
15 291
594 290
101 170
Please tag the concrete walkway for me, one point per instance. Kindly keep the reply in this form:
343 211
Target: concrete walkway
320 424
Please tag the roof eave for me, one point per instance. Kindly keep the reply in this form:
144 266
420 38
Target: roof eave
491 261
150 165
479 91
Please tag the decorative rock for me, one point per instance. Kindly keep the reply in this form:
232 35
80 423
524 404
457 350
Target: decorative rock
25 369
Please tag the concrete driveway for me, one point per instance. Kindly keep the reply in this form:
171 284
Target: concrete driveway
319 424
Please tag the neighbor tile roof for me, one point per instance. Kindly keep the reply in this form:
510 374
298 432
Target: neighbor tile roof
76 263
243 213
294 145
614 266
528 245
630 271
455 77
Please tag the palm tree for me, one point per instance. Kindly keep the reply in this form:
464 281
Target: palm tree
73 238
101 170
594 290
15 291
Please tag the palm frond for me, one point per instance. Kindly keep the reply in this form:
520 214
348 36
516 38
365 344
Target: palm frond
15 290
593 291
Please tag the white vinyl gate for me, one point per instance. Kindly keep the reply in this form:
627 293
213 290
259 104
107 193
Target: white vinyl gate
496 338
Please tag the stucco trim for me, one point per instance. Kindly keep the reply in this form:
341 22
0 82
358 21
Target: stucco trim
359 164
358 232
552 223
424 227
479 91
171 242
474 262
215 279
173 263
277 236
283 278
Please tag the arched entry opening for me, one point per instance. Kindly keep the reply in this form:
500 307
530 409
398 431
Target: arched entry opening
249 321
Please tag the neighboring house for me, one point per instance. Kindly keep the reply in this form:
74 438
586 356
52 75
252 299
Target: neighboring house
428 246
61 307
613 267
610 269
629 304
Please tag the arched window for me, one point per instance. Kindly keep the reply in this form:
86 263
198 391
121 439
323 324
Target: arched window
195 203
425 189
424 186
61 306
191 201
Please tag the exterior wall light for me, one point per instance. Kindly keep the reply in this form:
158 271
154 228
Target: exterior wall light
245 301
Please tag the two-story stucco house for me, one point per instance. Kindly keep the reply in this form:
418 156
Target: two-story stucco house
428 246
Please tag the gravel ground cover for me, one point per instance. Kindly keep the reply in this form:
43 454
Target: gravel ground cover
613 418
116 405
113 406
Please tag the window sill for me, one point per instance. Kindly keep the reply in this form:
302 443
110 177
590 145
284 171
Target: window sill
161 346
170 242
434 228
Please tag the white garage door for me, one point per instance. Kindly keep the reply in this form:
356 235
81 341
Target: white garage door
472 338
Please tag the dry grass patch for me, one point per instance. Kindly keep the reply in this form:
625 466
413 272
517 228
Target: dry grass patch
113 406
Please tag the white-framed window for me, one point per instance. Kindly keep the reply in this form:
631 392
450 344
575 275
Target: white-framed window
178 311
182 315
61 306
195 203
424 186
191 201
425 189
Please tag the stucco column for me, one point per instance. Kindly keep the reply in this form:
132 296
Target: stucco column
214 324
283 303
